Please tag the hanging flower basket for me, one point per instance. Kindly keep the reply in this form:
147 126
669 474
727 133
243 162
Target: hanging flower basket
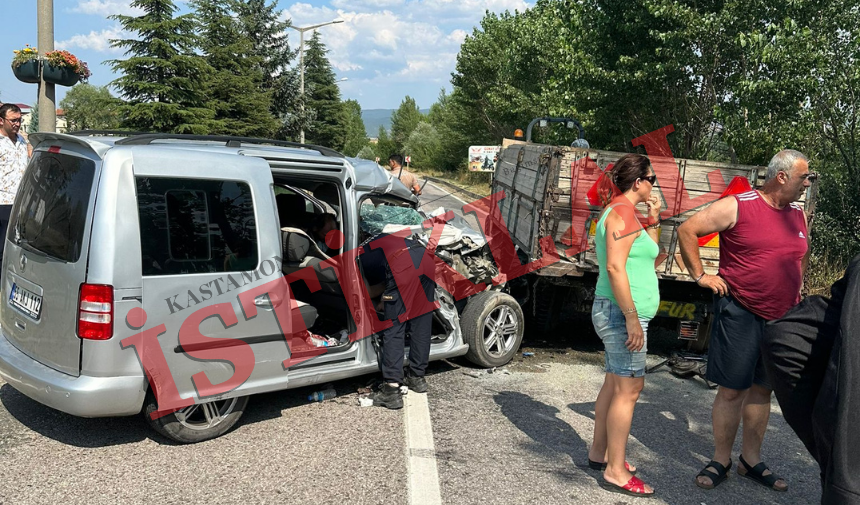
25 64
64 68
64 76
27 71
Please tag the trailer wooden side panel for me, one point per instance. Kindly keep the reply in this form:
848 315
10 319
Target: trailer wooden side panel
548 191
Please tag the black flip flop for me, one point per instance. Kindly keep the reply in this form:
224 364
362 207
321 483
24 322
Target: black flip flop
716 478
755 474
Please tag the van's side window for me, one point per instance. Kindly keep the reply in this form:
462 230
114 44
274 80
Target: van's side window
195 225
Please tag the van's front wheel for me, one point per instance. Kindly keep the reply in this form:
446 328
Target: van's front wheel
197 422
492 325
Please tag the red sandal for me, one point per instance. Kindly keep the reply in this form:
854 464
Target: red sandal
595 465
634 487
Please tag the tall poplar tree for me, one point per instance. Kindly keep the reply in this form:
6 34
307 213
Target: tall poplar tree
162 78
326 115
234 90
356 134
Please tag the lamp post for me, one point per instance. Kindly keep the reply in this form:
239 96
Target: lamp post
302 31
47 110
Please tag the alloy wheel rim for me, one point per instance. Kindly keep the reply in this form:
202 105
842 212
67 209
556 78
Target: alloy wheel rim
500 331
204 416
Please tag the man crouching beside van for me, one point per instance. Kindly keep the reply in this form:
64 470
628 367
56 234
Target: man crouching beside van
394 300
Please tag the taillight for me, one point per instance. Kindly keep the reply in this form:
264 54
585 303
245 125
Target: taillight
95 312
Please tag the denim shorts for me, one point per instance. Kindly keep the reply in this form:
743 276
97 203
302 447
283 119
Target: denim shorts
611 327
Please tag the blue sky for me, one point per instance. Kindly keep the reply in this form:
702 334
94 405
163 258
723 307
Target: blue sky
386 49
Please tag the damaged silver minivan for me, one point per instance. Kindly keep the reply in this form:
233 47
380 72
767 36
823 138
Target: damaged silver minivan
115 240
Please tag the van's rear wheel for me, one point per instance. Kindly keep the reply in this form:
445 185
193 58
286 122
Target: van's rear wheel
492 325
197 422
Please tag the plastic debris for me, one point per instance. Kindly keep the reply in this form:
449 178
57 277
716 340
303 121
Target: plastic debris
365 401
320 341
528 354
325 394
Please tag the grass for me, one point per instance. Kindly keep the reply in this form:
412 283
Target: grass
821 273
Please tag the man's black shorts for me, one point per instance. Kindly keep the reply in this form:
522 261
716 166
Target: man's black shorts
734 353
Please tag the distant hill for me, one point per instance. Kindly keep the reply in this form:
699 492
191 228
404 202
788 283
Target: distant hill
374 118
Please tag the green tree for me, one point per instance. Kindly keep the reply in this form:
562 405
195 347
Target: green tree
424 146
455 128
326 114
234 88
403 122
263 25
366 153
89 107
356 135
34 119
384 146
162 80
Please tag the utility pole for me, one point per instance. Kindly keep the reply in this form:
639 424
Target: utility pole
302 31
47 90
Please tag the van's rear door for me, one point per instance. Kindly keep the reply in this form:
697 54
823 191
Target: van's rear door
45 257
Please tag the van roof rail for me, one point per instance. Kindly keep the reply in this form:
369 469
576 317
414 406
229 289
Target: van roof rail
229 141
104 133
145 138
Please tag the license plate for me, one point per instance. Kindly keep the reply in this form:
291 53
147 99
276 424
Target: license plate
25 301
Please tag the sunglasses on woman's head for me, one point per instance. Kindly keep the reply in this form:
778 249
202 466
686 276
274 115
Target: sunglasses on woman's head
651 178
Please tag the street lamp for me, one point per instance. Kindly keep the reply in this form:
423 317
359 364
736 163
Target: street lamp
302 31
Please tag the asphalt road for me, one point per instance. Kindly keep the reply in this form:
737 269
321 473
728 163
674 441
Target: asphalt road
518 435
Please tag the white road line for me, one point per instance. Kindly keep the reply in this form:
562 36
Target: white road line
449 193
420 452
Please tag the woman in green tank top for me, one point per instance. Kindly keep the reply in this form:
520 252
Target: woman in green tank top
626 298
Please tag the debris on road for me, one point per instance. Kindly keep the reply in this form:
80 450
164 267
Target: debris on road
528 354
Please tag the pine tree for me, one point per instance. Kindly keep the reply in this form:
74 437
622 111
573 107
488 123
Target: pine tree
162 79
234 89
261 24
325 111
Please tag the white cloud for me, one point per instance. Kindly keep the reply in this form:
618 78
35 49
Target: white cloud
392 46
96 41
107 7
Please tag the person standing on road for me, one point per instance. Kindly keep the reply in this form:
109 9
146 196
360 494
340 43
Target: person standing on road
394 300
812 357
626 298
763 253
14 156
395 164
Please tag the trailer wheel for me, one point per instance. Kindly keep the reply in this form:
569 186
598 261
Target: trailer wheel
492 325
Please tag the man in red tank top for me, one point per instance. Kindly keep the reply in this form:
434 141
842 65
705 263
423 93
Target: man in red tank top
763 254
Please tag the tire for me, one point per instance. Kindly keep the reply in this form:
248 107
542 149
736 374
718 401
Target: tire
198 422
492 325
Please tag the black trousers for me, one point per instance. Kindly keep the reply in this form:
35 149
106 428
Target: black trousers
812 355
394 338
